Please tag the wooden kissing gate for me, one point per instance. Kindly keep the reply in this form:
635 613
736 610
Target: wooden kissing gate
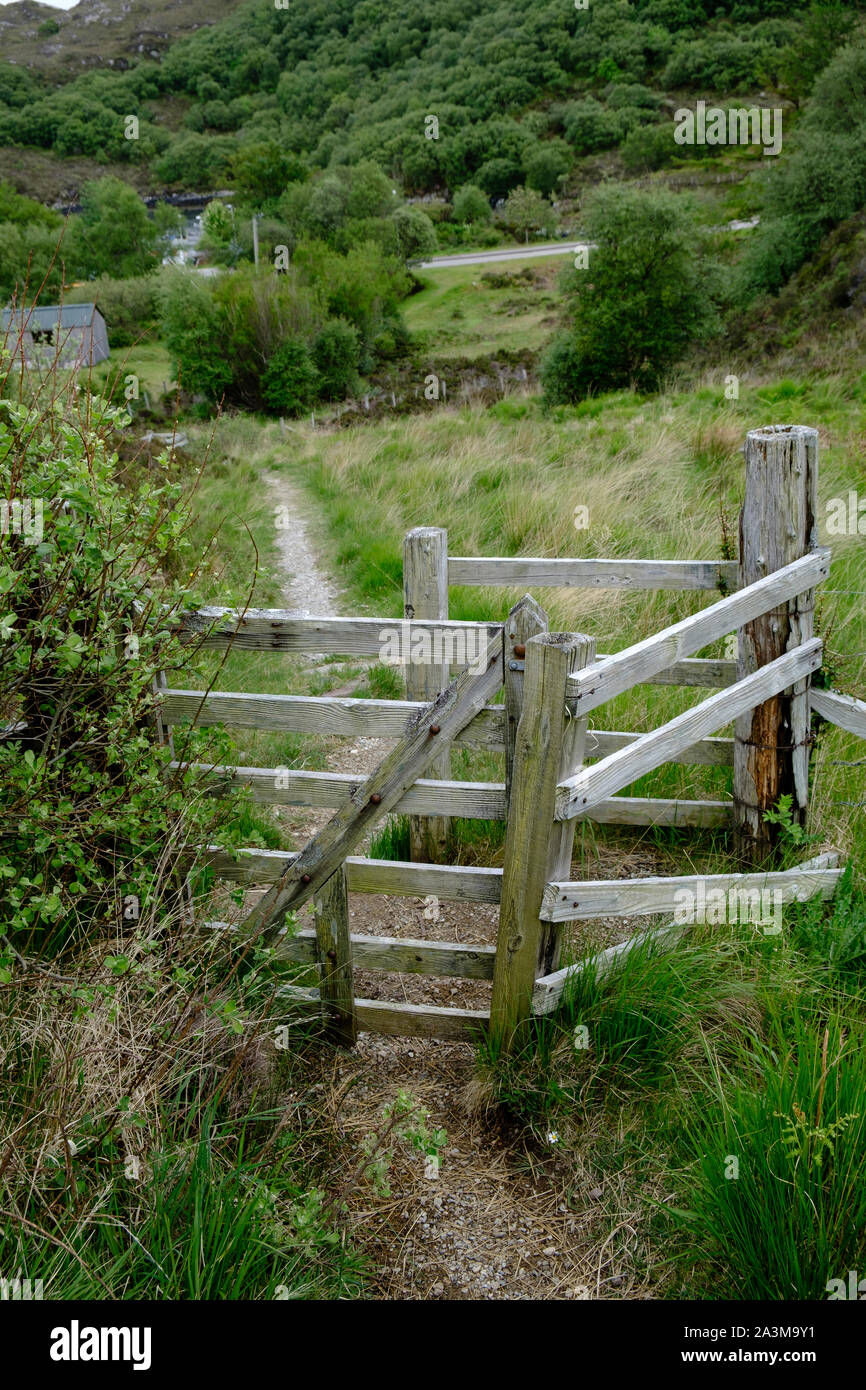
557 769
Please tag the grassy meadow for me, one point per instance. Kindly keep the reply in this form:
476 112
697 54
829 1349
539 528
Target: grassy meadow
479 310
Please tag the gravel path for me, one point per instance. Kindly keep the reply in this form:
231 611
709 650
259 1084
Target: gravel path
497 1221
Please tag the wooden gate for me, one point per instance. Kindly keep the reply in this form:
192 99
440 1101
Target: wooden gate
552 683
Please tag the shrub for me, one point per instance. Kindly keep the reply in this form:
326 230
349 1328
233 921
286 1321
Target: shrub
30 254
192 329
261 170
259 311
648 147
113 235
471 205
497 177
645 298
88 817
717 63
822 183
623 95
546 164
589 127
130 307
196 161
839 96
336 353
416 235
526 211
290 382
218 222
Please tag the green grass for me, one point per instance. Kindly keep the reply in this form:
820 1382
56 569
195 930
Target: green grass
218 1225
150 362
720 1082
776 1197
467 311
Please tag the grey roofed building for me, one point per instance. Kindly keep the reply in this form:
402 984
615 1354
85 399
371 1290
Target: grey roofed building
68 335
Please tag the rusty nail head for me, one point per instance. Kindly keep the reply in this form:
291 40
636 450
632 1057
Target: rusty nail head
332 956
305 878
519 649
434 728
375 799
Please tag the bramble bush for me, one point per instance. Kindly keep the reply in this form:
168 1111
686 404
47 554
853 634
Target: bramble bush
89 591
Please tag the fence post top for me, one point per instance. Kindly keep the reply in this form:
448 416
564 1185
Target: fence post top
768 432
528 605
419 532
561 639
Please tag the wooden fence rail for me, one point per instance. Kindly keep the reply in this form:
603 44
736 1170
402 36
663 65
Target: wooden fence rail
557 769
593 574
577 794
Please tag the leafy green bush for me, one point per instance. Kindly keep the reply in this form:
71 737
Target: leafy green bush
336 354
114 234
218 222
498 176
546 164
645 298
31 255
717 63
648 147
290 382
839 95
590 127
191 328
471 205
88 818
526 211
415 233
262 169
130 307
823 183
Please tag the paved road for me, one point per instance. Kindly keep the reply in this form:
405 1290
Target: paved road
519 253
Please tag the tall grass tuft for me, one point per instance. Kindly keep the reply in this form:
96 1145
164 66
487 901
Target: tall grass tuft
778 1203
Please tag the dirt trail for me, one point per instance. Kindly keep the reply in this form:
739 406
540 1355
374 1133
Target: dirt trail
497 1221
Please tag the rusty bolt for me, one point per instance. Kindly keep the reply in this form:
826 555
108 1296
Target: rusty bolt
375 799
519 650
434 728
305 878
332 957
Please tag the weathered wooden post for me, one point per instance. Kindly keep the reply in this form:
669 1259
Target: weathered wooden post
777 525
537 849
336 983
526 619
425 595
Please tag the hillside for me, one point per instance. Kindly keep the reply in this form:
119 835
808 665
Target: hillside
98 33
491 94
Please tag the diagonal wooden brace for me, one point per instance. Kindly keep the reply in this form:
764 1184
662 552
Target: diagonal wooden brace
427 732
